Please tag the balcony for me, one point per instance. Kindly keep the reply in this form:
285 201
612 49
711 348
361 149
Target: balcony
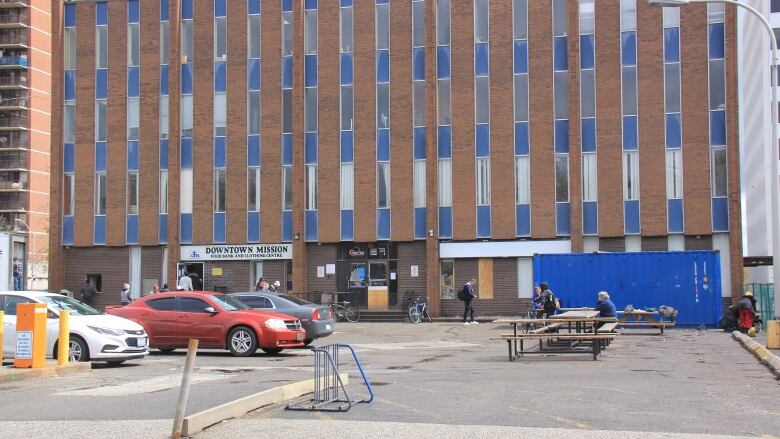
13 202
13 39
10 4
13 81
13 122
11 19
13 161
13 61
13 100
13 186
13 141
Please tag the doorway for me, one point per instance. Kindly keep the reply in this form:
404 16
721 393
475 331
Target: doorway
358 284
195 271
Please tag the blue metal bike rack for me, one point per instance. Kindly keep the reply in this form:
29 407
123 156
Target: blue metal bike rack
330 393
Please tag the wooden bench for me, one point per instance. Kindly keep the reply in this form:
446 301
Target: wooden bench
596 340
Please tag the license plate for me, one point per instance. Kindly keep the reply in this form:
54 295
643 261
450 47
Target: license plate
299 336
327 327
142 342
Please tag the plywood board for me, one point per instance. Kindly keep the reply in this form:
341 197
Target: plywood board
485 278
377 298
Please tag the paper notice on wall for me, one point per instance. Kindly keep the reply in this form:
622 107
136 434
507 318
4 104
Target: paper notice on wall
216 271
415 270
330 268
24 342
320 271
392 275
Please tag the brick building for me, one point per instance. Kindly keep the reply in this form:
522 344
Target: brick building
25 125
385 147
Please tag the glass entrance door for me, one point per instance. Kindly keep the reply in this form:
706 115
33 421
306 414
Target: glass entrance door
377 272
358 284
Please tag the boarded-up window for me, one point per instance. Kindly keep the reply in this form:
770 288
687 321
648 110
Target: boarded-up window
485 278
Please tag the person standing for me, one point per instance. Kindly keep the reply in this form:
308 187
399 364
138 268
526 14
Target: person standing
197 285
536 302
88 293
124 295
547 300
469 296
18 272
185 282
164 288
155 289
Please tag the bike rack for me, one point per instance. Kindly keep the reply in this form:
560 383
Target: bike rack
328 386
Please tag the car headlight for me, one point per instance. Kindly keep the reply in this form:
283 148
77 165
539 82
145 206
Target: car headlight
107 331
275 324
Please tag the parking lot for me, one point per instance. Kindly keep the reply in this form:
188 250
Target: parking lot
686 381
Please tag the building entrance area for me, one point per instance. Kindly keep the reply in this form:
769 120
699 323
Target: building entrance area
367 273
195 272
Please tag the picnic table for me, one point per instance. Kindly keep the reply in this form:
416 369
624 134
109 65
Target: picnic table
582 327
640 317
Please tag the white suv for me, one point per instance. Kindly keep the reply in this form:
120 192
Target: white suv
93 335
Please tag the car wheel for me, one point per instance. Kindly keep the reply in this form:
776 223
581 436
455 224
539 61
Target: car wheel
242 341
78 349
272 351
166 350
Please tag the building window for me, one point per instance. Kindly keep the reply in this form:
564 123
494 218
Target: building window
347 186
69 123
561 178
132 193
68 194
523 186
253 189
287 194
445 182
186 41
164 41
164 116
383 184
164 191
133 117
133 44
311 187
253 116
101 47
186 115
69 48
220 189
419 183
483 182
101 108
674 169
220 38
220 114
100 193
447 279
589 177
719 172
253 36
630 175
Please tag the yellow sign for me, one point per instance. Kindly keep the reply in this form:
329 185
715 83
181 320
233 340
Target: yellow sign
216 271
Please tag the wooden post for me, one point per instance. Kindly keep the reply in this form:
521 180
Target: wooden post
184 390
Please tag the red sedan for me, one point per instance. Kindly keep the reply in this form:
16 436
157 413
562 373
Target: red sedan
216 320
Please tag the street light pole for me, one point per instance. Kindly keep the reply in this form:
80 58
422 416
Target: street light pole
773 144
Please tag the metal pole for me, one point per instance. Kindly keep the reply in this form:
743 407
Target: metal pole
63 345
184 390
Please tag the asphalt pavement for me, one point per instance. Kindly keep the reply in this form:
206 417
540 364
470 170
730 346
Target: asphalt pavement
430 380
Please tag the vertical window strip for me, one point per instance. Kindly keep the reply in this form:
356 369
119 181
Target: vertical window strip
672 95
101 119
311 102
383 138
254 170
164 123
588 124
482 99
521 106
716 17
629 99
287 119
186 122
346 108
561 113
69 123
418 119
133 111
444 116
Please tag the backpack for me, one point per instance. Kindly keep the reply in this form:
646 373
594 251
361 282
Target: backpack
550 302
462 294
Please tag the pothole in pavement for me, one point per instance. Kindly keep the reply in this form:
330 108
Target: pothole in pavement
398 367
434 358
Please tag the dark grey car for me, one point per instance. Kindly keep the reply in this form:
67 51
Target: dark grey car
315 319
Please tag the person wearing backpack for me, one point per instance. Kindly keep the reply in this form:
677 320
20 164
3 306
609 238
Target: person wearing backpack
548 300
468 296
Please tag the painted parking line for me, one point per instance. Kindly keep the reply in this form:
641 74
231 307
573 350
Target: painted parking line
148 385
414 345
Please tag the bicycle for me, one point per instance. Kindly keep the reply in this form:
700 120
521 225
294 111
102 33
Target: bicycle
344 310
418 310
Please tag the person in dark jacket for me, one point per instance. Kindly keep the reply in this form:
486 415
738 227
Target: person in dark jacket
745 310
605 307
546 300
468 291
88 292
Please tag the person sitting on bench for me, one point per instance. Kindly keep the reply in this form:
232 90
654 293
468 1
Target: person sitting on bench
605 307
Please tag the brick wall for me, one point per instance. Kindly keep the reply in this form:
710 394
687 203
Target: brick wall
408 255
110 262
320 255
235 276
505 300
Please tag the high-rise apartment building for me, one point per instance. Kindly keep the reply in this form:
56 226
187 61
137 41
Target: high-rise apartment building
387 147
25 133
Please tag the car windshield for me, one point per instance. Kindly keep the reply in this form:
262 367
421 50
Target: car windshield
228 303
66 303
295 300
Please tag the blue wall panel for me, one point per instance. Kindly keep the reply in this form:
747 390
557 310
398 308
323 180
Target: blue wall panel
162 228
631 219
720 214
311 225
347 225
676 223
131 232
185 228
445 222
99 235
420 224
523 219
688 281
383 224
483 222
220 234
253 226
562 219
67 230
590 218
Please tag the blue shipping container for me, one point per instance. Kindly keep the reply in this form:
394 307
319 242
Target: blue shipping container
688 281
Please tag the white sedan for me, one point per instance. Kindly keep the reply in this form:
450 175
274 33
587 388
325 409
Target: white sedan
94 336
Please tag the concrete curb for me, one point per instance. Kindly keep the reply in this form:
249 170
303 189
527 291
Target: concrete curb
763 355
10 374
197 422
